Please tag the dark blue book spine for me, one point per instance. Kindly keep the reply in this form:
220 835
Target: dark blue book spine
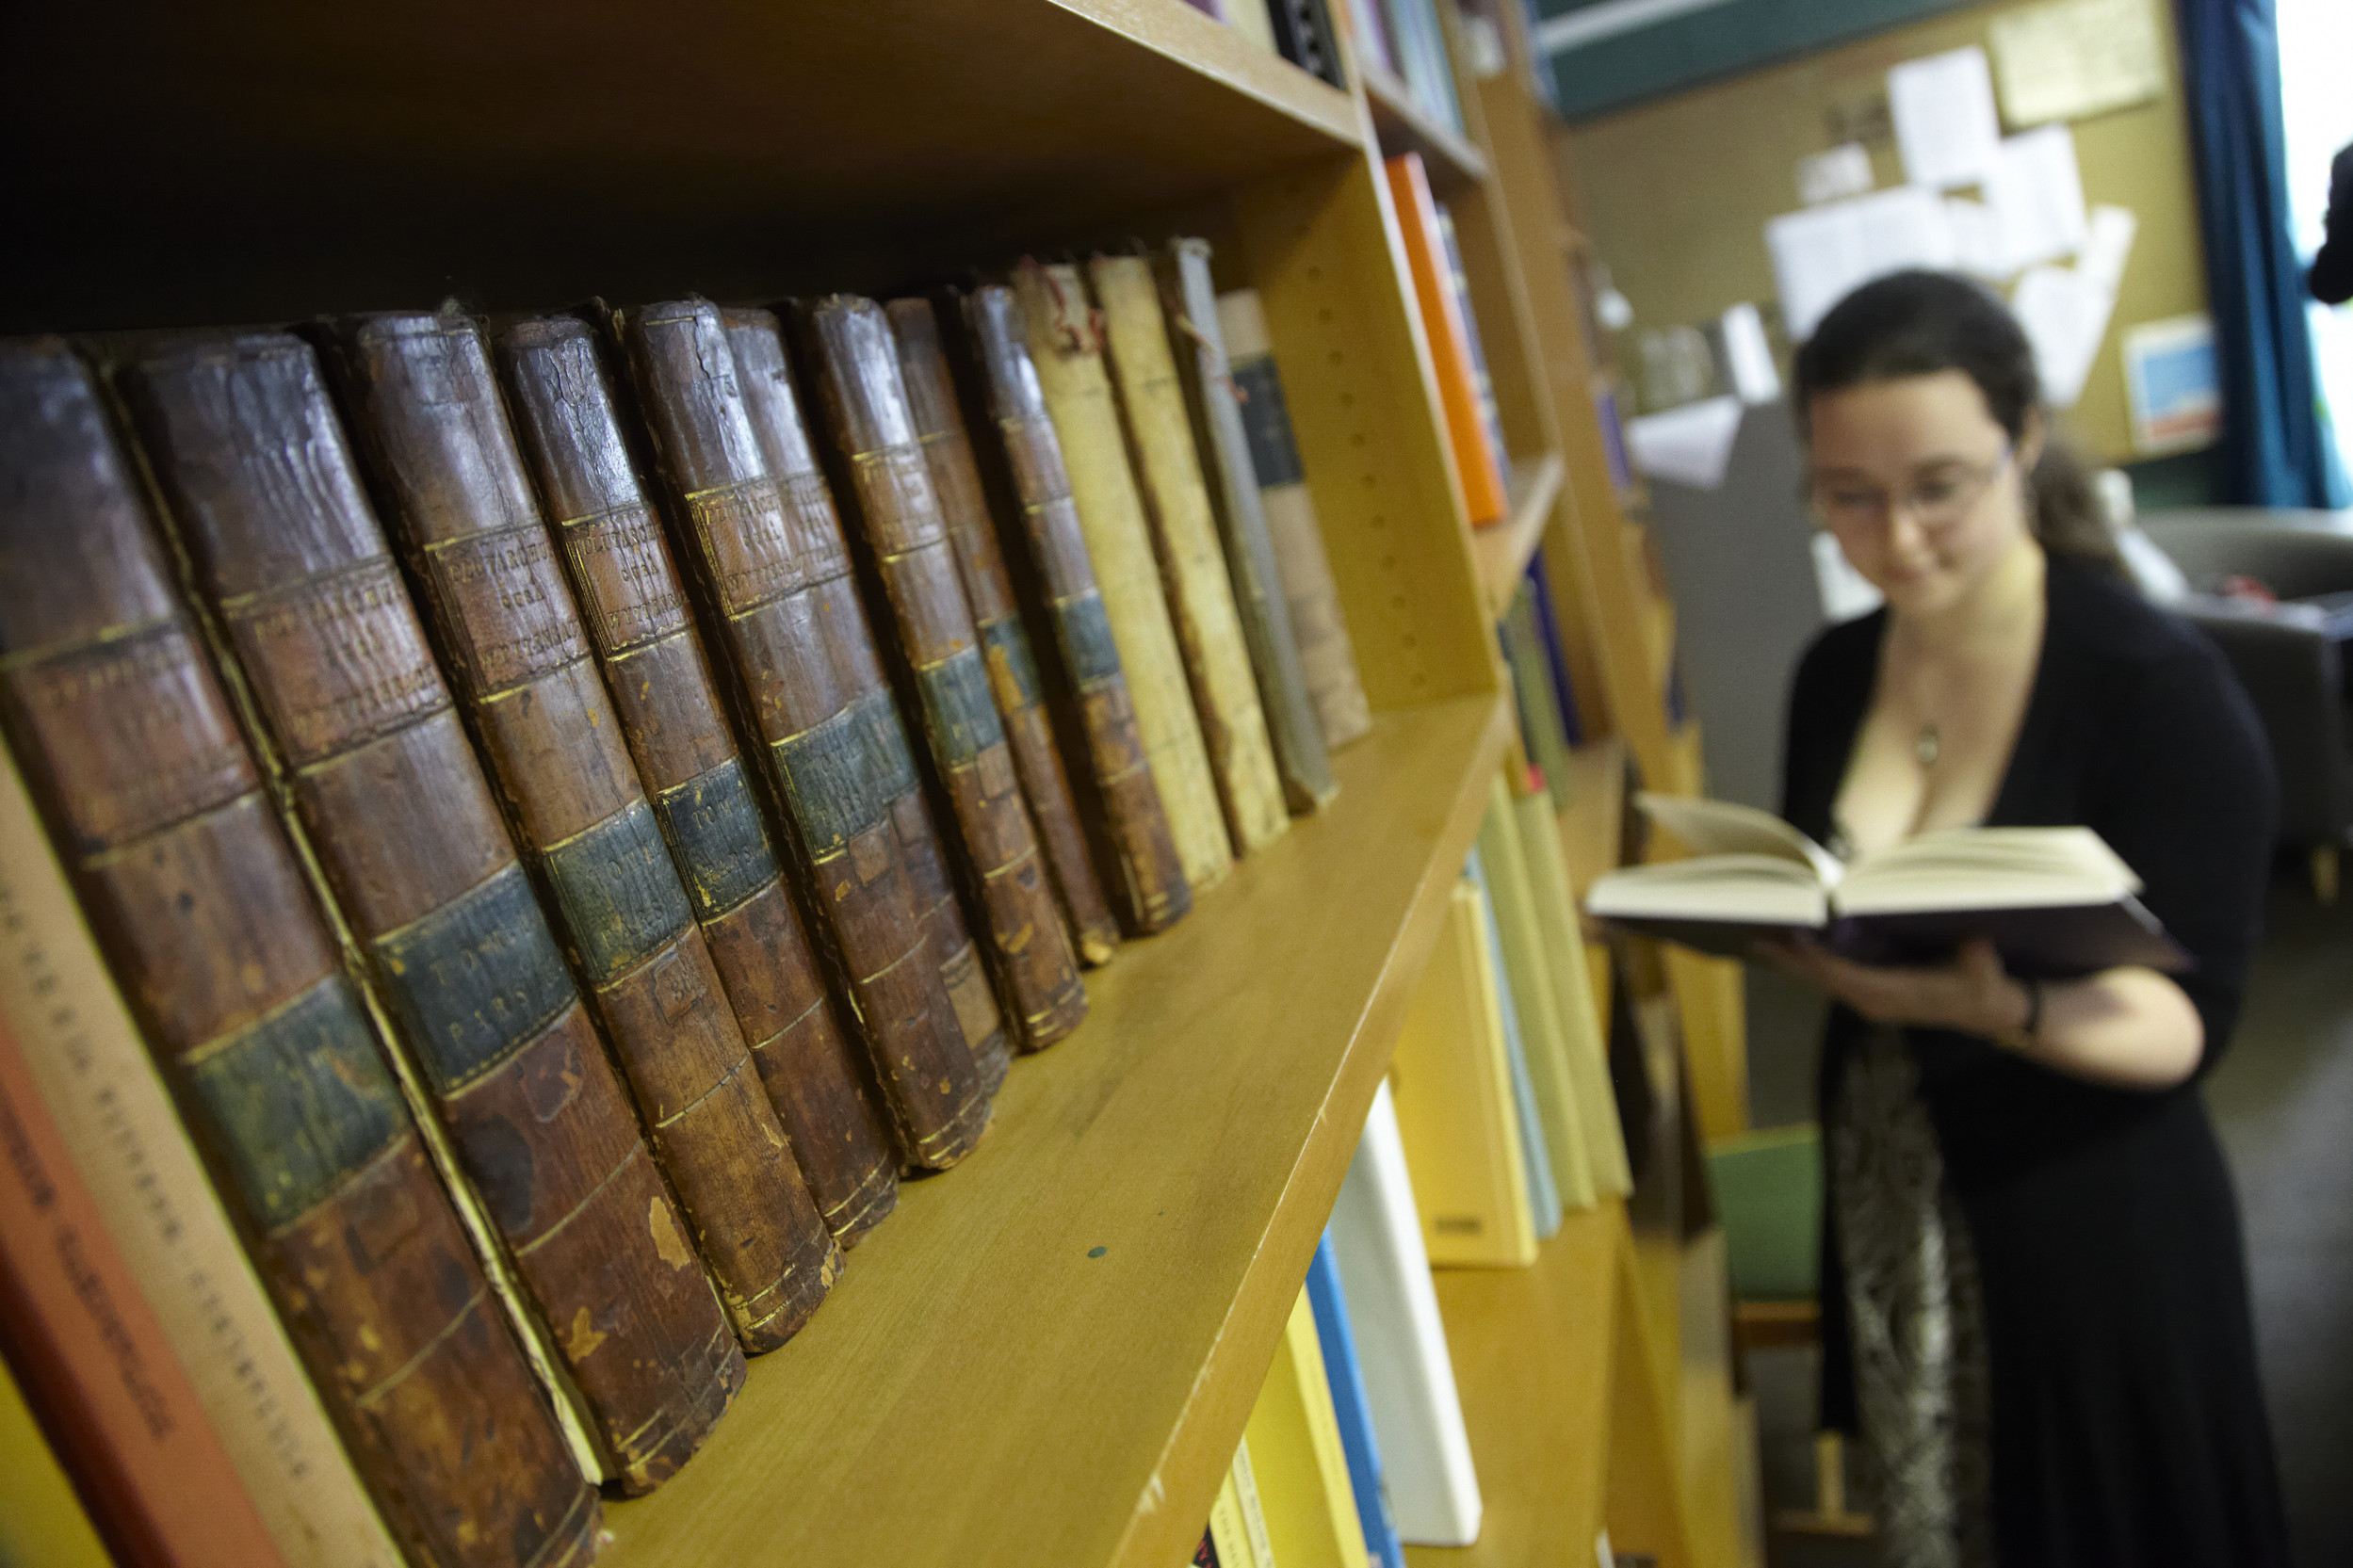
1330 1306
1548 630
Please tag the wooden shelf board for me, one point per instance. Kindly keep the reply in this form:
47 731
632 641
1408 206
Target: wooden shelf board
1504 549
1533 1352
1046 1354
292 158
1449 158
1591 825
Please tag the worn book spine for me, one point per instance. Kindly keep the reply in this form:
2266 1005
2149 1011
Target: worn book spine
345 700
1326 655
886 487
643 632
768 565
451 487
1119 799
1004 641
197 898
1066 346
1200 593
85 1061
1215 401
110 1393
774 404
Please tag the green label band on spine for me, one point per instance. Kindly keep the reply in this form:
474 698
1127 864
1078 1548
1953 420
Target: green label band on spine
887 743
1267 423
1005 640
958 708
829 782
299 1101
620 893
477 979
723 852
1086 632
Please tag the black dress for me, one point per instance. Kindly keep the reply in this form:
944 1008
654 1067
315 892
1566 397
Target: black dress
2127 1422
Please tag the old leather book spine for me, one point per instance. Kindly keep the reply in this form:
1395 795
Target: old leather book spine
452 488
886 487
345 701
1200 595
769 575
1005 642
1326 655
774 404
1212 398
1066 348
132 753
1119 798
635 611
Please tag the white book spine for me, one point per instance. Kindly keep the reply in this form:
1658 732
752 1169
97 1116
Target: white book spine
1401 1341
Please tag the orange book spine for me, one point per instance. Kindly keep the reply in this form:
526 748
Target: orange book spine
95 1367
1484 499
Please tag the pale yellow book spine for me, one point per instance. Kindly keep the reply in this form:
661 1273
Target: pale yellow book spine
1192 560
1066 348
1236 1522
1580 1012
1294 1447
1543 1035
1249 19
43 1523
102 1091
1451 1080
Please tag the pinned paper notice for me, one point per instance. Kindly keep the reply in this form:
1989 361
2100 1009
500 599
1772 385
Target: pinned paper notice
2169 376
1977 248
2037 194
1691 445
2070 59
2107 244
1749 356
1844 170
1945 123
2066 316
1823 253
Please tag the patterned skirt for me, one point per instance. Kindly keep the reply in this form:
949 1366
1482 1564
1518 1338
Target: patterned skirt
1915 1315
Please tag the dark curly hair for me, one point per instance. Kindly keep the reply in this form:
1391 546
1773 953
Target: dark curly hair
1920 323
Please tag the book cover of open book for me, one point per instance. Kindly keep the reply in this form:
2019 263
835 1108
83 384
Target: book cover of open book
2053 900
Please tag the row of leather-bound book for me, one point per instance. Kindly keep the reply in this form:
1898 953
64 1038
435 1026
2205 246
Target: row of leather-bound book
577 806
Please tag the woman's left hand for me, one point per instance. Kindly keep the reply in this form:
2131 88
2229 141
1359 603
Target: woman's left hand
1973 994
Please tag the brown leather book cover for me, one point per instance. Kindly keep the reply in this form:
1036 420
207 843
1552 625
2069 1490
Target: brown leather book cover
452 490
1004 641
642 631
196 895
1087 690
1199 588
767 563
1067 343
775 405
347 705
902 544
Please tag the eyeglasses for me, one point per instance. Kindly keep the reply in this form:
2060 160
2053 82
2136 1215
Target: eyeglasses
1935 503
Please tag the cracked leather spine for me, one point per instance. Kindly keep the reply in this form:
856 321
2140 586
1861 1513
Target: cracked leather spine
642 629
287 555
451 486
200 903
768 569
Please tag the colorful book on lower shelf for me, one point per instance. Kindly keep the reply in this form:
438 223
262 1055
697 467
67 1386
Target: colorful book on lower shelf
1569 969
1417 1413
1452 1072
1476 461
1351 1407
1535 1155
1296 1455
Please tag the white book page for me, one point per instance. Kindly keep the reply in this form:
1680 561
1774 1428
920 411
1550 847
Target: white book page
1766 890
1722 828
1988 868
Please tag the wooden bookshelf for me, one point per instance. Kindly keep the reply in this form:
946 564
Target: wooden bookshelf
1505 548
1449 158
1046 1355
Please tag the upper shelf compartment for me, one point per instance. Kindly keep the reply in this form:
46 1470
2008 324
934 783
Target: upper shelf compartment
288 158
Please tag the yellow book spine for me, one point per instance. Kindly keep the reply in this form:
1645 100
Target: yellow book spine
1294 1446
1066 348
43 1523
1193 561
1582 1017
1451 1080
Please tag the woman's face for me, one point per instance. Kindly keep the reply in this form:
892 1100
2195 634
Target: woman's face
1920 485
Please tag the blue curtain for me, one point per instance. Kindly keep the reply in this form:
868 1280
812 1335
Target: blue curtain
2275 451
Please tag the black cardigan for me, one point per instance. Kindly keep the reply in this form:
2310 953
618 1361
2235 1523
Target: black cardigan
2128 1423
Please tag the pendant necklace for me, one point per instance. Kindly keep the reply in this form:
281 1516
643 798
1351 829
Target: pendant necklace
1928 744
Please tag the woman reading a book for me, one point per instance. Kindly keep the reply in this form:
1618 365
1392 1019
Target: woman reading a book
2034 1298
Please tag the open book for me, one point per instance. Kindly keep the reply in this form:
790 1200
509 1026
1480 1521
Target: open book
2053 900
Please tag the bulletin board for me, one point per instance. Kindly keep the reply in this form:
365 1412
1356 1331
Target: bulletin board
1674 194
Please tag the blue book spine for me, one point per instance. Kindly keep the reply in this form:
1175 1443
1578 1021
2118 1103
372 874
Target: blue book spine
1549 633
1330 1305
